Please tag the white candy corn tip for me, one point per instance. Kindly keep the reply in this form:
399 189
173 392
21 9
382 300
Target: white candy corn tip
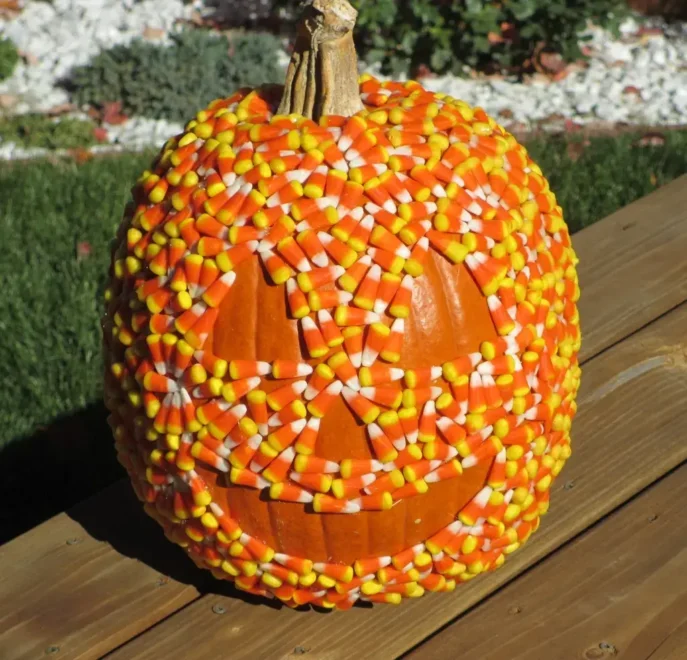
334 389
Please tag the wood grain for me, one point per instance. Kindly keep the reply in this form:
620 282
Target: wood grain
619 590
624 439
92 596
88 580
673 647
632 267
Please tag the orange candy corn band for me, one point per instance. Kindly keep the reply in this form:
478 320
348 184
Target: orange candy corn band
343 215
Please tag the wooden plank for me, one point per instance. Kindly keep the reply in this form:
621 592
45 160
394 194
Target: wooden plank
632 267
624 438
641 242
620 589
73 584
673 647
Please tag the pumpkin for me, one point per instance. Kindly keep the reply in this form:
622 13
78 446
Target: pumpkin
341 335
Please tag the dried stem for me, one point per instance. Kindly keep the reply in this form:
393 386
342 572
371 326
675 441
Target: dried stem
322 78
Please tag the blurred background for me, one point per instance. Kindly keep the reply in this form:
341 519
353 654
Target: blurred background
89 89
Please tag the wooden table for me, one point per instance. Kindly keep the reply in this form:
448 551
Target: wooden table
605 576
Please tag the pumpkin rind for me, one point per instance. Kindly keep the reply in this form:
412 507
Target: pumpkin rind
247 225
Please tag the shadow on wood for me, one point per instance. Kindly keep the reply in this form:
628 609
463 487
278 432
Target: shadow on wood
61 464
116 517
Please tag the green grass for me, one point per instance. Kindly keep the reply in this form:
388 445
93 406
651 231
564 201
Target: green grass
40 131
51 298
8 58
610 172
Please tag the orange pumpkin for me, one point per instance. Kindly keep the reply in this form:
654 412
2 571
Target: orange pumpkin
342 335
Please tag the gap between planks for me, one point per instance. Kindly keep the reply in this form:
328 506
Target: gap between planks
93 596
624 441
618 590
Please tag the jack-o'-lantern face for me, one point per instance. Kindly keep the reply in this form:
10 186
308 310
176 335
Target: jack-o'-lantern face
342 356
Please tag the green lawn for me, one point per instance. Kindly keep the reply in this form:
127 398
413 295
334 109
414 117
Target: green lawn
56 221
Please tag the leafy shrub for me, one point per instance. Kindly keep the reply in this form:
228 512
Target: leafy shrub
40 131
8 58
174 81
444 35
240 12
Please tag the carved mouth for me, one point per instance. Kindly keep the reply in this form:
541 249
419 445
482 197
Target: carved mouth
295 530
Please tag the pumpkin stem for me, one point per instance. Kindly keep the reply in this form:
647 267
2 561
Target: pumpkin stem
322 78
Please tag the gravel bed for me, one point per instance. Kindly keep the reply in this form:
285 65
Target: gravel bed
638 78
